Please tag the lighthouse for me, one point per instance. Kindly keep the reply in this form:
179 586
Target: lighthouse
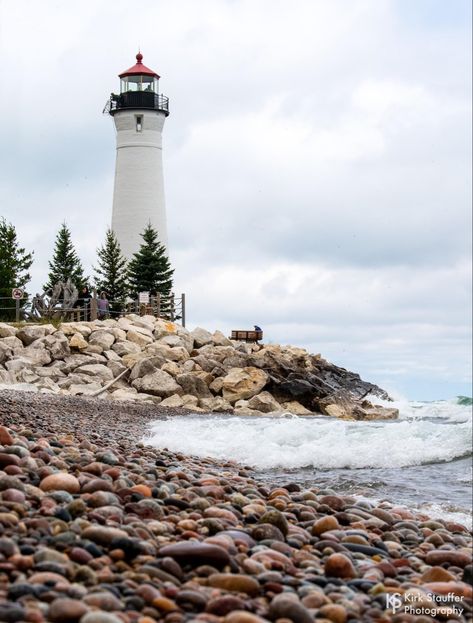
139 112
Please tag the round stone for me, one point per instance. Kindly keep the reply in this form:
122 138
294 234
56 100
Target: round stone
5 437
61 481
333 612
235 582
324 524
339 566
66 610
100 617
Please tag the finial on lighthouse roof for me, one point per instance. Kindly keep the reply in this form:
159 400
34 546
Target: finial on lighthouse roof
139 68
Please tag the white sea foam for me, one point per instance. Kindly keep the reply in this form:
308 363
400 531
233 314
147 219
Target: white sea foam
425 433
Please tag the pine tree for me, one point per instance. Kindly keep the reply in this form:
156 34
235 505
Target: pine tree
150 270
65 263
111 273
15 263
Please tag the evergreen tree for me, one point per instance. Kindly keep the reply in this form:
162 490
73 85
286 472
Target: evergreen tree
111 273
65 263
149 270
14 265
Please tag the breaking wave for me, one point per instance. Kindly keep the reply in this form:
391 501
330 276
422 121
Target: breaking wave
425 433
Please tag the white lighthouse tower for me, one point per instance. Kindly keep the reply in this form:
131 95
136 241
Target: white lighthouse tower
138 197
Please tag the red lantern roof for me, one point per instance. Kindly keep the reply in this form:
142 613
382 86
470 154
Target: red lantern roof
139 68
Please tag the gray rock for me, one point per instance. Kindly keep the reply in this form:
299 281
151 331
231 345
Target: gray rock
201 337
6 330
116 367
125 348
158 383
97 371
5 352
12 342
31 333
192 384
103 338
19 363
145 366
264 402
57 344
74 361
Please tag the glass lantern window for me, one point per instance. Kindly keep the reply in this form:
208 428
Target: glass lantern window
138 82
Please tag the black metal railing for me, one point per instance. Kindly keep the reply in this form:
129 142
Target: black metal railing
143 100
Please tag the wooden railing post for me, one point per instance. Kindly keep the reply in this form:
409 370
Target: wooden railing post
183 307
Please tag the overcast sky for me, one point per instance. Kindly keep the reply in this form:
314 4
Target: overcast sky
317 164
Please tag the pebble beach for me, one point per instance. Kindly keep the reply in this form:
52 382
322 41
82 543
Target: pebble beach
98 527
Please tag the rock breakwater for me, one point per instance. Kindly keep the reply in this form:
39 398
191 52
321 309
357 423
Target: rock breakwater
141 358
96 528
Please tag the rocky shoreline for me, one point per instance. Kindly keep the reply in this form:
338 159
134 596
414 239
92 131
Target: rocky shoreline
97 528
144 359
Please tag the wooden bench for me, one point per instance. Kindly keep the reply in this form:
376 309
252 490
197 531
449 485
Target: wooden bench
246 336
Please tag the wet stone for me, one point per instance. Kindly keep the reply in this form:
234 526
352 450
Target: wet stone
339 566
11 613
66 610
60 482
286 607
235 582
196 554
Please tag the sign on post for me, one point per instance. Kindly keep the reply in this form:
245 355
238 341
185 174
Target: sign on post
143 298
17 295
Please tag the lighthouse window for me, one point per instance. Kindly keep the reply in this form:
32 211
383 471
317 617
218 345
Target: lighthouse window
139 123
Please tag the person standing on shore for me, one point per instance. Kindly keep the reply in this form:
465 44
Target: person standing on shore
84 301
103 306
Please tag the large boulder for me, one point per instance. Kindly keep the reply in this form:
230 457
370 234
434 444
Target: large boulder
139 337
145 366
296 408
12 342
103 338
194 385
174 401
216 404
31 333
125 348
158 383
78 342
6 330
6 377
116 367
242 383
17 364
70 328
219 339
80 359
5 352
201 337
171 340
97 371
178 353
37 353
57 344
347 408
265 403
164 327
171 368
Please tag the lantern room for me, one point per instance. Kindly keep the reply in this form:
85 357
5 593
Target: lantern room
139 78
139 88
